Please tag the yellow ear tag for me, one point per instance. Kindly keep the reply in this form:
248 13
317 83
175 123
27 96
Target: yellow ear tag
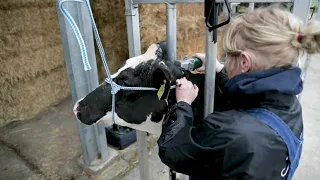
161 89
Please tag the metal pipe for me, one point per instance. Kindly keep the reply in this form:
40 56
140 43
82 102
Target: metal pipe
251 7
210 77
318 14
134 41
171 31
225 10
201 1
302 9
93 139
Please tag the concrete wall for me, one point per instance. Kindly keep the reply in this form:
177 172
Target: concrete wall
33 74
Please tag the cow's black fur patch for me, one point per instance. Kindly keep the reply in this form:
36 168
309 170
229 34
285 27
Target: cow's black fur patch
134 106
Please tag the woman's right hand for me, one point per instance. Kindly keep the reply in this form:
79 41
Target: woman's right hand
202 69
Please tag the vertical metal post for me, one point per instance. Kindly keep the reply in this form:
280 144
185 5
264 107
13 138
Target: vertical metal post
171 31
234 8
134 41
301 8
210 77
251 7
171 23
225 10
93 138
318 15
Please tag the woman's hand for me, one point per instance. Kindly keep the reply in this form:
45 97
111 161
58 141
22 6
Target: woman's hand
202 69
186 91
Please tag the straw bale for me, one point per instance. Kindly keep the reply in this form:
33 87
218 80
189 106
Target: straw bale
33 73
29 64
15 4
28 19
25 100
191 34
111 22
10 43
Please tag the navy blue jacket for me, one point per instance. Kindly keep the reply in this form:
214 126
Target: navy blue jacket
229 143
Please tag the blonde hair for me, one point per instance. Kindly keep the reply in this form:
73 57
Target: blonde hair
270 38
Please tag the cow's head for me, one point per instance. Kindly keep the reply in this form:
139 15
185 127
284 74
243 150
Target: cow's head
135 109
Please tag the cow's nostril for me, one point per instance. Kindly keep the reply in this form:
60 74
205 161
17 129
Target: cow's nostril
78 115
76 108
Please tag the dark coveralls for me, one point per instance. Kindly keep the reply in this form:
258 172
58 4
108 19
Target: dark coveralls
253 134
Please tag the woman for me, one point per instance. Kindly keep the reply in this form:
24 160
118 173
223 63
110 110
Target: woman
258 135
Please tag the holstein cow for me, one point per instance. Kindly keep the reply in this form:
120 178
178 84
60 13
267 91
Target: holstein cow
141 110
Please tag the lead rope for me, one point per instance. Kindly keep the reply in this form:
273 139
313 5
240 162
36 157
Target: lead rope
114 86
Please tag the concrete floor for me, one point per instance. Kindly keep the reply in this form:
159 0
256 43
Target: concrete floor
48 147
309 168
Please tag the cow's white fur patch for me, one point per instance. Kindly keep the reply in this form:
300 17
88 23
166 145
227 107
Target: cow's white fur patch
133 62
146 126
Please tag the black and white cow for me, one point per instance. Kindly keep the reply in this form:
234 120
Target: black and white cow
141 110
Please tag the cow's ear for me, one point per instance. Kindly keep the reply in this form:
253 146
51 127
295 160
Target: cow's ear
162 77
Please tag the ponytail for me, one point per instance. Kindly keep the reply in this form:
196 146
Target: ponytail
310 37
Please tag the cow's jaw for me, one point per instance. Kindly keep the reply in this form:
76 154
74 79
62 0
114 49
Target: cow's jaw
146 126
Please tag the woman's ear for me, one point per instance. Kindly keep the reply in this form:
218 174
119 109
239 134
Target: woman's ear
246 63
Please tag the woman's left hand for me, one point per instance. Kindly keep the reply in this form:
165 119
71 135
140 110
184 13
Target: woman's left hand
186 91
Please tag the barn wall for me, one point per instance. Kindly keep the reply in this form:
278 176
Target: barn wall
33 73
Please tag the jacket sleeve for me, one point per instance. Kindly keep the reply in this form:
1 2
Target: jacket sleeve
177 146
191 150
221 99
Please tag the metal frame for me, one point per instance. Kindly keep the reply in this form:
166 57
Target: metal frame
211 53
210 75
251 6
171 31
134 42
93 138
201 1
301 8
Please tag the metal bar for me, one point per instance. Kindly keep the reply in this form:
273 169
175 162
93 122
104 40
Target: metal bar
318 14
225 9
251 6
201 1
301 9
143 155
133 29
171 31
93 141
210 76
134 41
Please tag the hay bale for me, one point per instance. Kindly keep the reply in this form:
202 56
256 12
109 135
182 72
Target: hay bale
16 4
28 19
29 65
191 34
25 100
33 74
111 22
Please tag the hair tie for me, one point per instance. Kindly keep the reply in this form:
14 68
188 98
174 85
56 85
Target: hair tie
300 37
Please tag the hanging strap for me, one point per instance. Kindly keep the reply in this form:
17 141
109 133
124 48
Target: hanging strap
294 145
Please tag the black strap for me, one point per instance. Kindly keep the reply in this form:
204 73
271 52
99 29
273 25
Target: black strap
210 14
